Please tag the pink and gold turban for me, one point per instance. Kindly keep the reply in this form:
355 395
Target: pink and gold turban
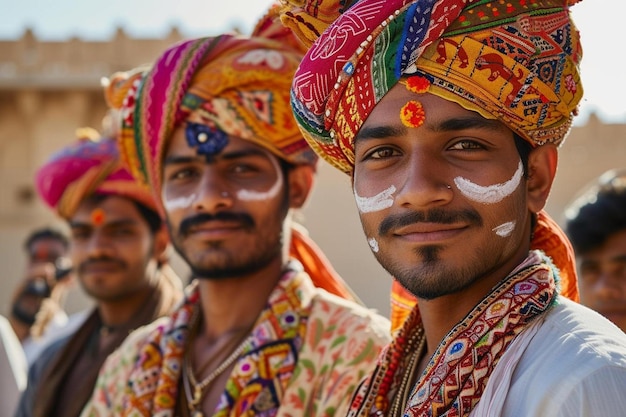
236 84
511 60
91 165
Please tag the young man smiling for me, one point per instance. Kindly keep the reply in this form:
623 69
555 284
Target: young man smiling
210 129
118 248
447 114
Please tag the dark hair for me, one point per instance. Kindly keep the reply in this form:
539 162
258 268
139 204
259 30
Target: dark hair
155 222
523 148
150 216
598 213
46 233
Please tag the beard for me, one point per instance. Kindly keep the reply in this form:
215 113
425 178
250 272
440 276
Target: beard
215 260
433 277
224 265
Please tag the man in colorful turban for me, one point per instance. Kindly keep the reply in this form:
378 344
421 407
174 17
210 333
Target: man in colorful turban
210 130
447 114
118 249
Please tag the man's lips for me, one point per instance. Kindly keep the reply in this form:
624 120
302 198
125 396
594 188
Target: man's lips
429 232
99 267
215 229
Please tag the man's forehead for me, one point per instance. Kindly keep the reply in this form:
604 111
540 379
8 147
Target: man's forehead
111 209
210 148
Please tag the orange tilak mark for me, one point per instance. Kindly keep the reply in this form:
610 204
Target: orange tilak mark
412 114
97 216
417 84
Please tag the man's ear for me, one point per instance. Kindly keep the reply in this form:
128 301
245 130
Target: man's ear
542 163
161 245
300 179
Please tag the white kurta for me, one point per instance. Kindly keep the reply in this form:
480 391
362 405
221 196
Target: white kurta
572 362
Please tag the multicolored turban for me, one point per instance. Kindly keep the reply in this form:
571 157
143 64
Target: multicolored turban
515 61
91 165
233 83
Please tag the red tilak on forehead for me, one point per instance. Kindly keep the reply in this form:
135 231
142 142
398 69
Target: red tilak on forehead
97 216
412 113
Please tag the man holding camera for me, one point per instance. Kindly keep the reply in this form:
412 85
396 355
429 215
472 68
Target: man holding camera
37 316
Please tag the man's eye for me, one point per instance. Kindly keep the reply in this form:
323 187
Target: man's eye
589 271
122 231
464 145
244 169
381 153
181 174
80 234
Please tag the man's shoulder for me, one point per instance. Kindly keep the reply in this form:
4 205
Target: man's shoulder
570 357
572 323
575 340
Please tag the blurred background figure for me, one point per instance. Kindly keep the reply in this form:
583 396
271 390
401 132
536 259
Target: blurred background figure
596 225
37 315
13 369
118 245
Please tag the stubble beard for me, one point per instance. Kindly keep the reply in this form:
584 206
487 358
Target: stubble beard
218 263
431 278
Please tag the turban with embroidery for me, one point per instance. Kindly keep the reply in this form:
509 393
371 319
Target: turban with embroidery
234 84
516 61
91 165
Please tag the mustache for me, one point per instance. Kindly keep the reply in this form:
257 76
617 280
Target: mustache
101 259
396 221
187 224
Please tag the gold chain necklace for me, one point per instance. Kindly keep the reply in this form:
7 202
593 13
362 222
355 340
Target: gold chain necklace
194 399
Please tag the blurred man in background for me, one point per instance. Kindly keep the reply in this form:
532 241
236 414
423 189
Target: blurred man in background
118 247
596 225
37 315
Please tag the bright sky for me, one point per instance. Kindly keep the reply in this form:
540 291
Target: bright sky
602 69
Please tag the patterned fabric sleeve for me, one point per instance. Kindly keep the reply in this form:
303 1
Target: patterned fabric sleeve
342 344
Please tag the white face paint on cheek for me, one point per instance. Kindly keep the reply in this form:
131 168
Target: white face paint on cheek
504 229
378 202
251 195
179 203
373 244
490 194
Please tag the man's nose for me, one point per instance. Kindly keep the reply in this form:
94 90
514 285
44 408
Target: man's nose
100 244
424 182
212 194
